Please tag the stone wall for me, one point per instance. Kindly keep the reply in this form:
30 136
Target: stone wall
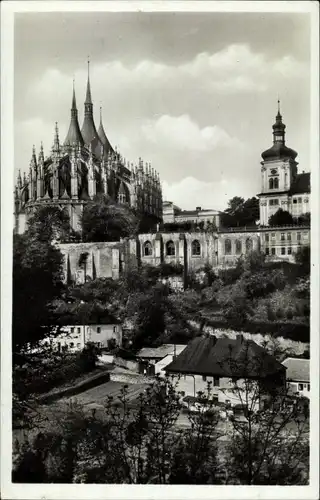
91 260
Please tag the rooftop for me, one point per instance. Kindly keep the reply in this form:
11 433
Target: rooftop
225 357
298 369
161 351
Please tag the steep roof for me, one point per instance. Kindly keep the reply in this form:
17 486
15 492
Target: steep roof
301 184
298 369
103 138
74 134
225 357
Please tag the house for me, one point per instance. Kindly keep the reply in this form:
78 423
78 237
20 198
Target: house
235 369
75 337
298 376
154 359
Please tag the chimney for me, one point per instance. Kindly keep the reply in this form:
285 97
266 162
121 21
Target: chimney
303 171
240 339
198 208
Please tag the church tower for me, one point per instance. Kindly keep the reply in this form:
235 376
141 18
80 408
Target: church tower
278 173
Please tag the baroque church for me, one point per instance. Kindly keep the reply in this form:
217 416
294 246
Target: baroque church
86 164
81 167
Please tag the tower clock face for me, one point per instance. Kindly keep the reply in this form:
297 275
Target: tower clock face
274 171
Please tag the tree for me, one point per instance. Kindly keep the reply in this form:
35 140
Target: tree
281 218
302 258
304 219
104 220
240 212
48 223
269 443
37 280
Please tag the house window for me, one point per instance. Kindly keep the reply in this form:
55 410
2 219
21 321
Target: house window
238 247
98 329
216 381
299 200
273 236
170 248
267 251
204 378
271 183
300 387
78 345
282 237
227 247
71 345
72 329
114 329
289 236
283 251
289 251
276 183
308 387
196 248
267 238
147 249
305 236
294 201
273 251
299 236
78 329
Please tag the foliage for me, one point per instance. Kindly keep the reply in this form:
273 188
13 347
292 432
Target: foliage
281 218
241 212
48 223
142 443
104 220
304 219
302 258
37 280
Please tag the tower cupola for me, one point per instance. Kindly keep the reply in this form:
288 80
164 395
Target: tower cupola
279 150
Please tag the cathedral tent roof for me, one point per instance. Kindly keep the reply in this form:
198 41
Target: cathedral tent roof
103 138
74 135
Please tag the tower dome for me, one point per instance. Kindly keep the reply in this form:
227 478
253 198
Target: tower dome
279 150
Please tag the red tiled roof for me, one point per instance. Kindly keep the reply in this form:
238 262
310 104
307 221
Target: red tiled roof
225 357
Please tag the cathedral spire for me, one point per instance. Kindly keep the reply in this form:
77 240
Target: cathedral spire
102 136
74 135
89 131
88 94
56 142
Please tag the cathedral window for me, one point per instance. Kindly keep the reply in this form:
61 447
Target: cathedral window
170 248
147 249
227 247
196 248
238 247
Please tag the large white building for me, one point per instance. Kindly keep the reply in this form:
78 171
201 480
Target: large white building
281 184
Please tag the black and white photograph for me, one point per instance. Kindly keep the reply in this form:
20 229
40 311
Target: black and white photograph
160 279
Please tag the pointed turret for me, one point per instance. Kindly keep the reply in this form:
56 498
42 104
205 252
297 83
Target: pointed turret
56 142
74 134
102 136
88 131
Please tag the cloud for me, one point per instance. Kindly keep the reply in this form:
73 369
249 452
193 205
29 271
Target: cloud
189 192
183 133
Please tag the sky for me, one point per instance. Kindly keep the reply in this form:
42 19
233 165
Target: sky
195 94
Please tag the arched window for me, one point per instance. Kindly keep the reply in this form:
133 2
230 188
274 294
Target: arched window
238 247
170 248
248 245
271 183
196 248
147 249
227 247
276 183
